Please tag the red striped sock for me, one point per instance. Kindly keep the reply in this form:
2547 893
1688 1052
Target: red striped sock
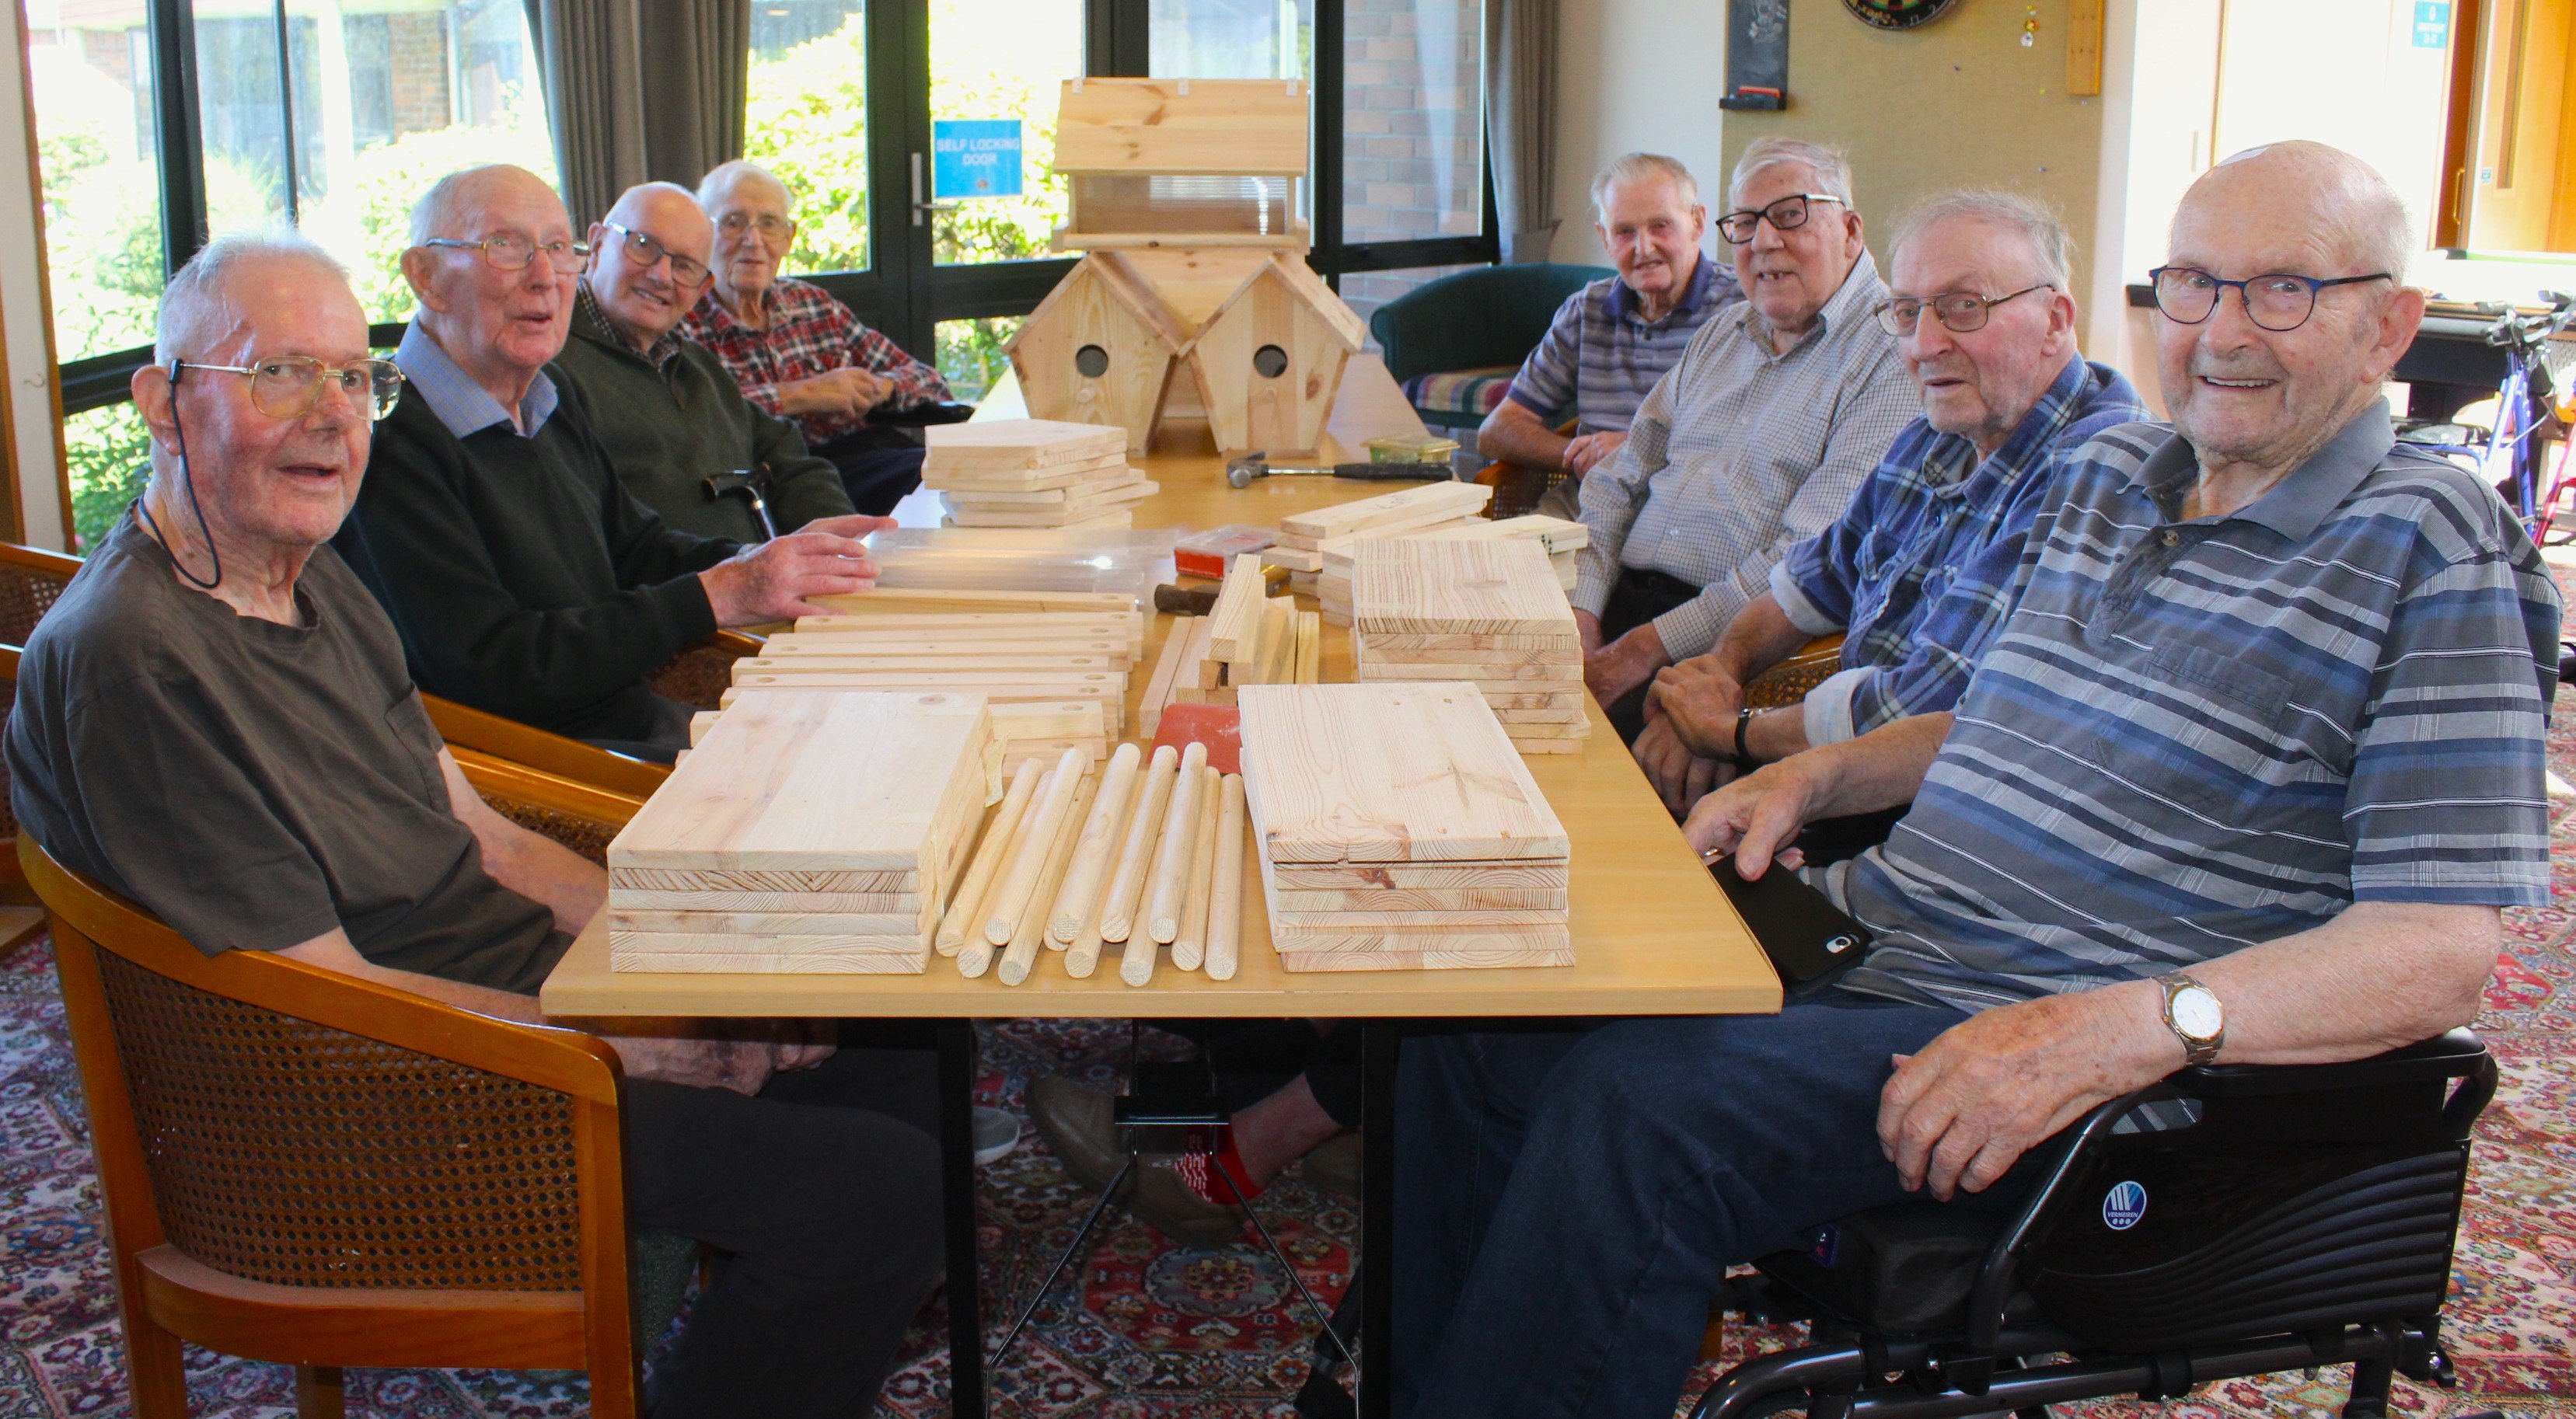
1197 1171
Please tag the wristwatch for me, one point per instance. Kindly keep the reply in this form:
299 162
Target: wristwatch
1743 753
2193 1013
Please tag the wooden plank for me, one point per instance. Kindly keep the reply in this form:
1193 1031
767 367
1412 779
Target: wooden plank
1437 587
1443 876
1228 127
1515 957
809 902
652 879
903 599
1388 773
1564 657
1398 645
1018 443
770 789
1235 620
821 962
1158 685
1225 891
1350 517
623 920
1425 900
807 661
966 626
1359 922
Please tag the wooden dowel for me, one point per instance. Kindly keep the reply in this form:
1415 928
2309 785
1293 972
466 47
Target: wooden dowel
1090 870
1022 953
1083 956
1225 890
1028 859
978 882
1118 909
976 956
1190 947
1171 879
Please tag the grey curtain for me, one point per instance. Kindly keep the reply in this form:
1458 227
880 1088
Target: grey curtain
640 89
1520 122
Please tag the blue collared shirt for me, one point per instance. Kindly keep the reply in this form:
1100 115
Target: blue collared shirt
1918 571
1601 355
462 405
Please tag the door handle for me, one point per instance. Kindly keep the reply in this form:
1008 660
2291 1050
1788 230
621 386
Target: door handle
921 201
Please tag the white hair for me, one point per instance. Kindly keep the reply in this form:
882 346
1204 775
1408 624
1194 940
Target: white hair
2371 215
2051 249
1831 170
197 307
723 176
1636 167
442 209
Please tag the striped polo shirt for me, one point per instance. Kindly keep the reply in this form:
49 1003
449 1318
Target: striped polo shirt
1600 355
2195 736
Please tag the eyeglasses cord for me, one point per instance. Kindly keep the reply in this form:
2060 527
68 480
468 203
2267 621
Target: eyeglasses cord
152 529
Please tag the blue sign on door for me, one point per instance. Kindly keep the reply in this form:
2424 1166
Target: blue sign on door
975 157
2432 24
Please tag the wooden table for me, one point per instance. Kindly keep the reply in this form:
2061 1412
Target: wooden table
1653 935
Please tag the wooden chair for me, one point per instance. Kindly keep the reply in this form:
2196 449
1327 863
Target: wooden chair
700 674
1789 681
30 580
311 1169
579 815
497 739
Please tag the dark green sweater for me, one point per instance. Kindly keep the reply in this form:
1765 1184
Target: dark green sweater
668 429
522 576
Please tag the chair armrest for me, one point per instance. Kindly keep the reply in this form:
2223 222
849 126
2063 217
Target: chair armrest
2456 1054
920 415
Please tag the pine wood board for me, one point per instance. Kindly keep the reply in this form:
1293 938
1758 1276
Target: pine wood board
1408 924
977 625
1447 587
654 879
1387 508
1230 127
1167 666
1200 669
638 899
1515 875
1295 559
1031 480
1568 657
1072 501
1400 645
1521 729
1068 683
1335 552
1489 960
772 786
1388 773
1556 534
891 600
833 962
1026 666
896 647
730 943
1425 900
1039 719
1019 443
1235 620
1116 478
624 919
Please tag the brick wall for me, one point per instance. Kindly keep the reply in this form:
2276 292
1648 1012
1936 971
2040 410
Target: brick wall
1413 153
416 71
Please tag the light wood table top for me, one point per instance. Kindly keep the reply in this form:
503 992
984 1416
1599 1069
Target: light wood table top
1653 934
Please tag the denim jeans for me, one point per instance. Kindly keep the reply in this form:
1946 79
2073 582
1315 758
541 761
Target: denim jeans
1567 1204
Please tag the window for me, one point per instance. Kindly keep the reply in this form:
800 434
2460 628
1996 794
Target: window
307 112
1413 153
807 119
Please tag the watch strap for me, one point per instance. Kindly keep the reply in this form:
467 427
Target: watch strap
2196 1052
1743 752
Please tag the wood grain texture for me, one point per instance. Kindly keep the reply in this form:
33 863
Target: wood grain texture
1282 306
1417 876
1035 843
1158 685
1435 586
647 879
1136 848
1227 127
1021 954
1235 622
1225 886
1107 304
1453 499
1170 877
1078 898
1017 443
897 601
1189 945
1422 899
965 910
1389 773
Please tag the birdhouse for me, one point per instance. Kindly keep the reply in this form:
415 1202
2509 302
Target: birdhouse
1182 162
1100 349
1269 361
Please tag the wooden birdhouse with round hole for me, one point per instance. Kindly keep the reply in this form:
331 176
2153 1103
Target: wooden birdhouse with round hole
1270 360
1100 349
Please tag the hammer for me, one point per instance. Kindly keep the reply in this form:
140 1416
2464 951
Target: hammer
1241 471
746 483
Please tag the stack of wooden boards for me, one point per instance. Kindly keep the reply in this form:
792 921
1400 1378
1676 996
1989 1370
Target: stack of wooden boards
1247 638
1142 856
1396 829
1009 647
1306 538
809 831
1033 473
1023 730
1487 613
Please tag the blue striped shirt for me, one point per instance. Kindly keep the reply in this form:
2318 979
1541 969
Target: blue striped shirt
2195 736
1918 571
1601 355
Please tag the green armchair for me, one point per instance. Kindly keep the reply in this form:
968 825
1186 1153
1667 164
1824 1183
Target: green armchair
1454 343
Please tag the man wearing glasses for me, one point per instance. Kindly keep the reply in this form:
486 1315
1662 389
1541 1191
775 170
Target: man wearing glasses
797 352
2244 778
667 410
1753 442
524 578
1917 571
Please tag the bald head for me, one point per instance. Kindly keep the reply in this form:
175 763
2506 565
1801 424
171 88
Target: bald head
649 260
492 262
2263 388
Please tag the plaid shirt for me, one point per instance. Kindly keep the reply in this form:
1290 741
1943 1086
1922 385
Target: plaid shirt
1918 571
809 334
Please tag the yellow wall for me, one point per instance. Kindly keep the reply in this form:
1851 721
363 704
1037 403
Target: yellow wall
1956 103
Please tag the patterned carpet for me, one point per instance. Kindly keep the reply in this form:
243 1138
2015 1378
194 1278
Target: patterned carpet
1153 1331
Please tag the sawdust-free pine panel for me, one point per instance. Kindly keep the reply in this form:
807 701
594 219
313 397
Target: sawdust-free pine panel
622 919
1345 518
1158 686
1422 900
773 787
1103 304
890 601
802 961
1518 875
1388 773
1269 362
654 879
1507 958
811 902
1003 444
1226 127
1235 622
1452 587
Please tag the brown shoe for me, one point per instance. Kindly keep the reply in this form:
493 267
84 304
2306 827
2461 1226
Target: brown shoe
1334 1165
1076 1123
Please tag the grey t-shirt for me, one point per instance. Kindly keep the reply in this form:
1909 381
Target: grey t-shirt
253 784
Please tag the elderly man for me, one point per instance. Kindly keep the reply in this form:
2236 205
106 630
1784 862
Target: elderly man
2245 777
1917 570
1753 442
1612 340
667 411
523 577
215 721
797 352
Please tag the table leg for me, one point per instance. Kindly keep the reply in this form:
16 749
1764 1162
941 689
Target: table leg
957 1192
1379 1040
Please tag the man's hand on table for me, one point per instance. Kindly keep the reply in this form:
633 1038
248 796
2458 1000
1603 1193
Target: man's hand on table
1757 816
1681 778
850 392
1624 664
772 581
1698 697
1583 454
1955 1117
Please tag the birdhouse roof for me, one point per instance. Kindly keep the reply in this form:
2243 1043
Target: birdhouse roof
1312 296
1222 127
1126 289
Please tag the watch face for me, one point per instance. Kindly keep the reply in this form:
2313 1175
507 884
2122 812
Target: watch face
1897 14
2195 1012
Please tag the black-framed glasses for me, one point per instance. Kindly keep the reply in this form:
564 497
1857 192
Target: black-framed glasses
2278 302
1786 215
644 250
511 252
288 386
734 224
1960 312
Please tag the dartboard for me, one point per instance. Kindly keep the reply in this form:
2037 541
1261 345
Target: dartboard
1898 14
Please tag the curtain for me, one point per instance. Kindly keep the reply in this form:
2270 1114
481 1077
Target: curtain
638 90
1520 123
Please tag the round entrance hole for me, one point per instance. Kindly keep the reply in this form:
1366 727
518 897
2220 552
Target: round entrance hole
1270 362
1091 361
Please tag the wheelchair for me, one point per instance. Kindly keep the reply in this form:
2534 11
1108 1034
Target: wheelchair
2230 1220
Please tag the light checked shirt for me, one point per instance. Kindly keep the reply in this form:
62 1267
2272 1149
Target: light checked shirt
809 334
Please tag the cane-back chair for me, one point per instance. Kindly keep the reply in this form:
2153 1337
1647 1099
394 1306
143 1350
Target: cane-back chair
30 580
701 673
1789 681
313 1169
465 729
